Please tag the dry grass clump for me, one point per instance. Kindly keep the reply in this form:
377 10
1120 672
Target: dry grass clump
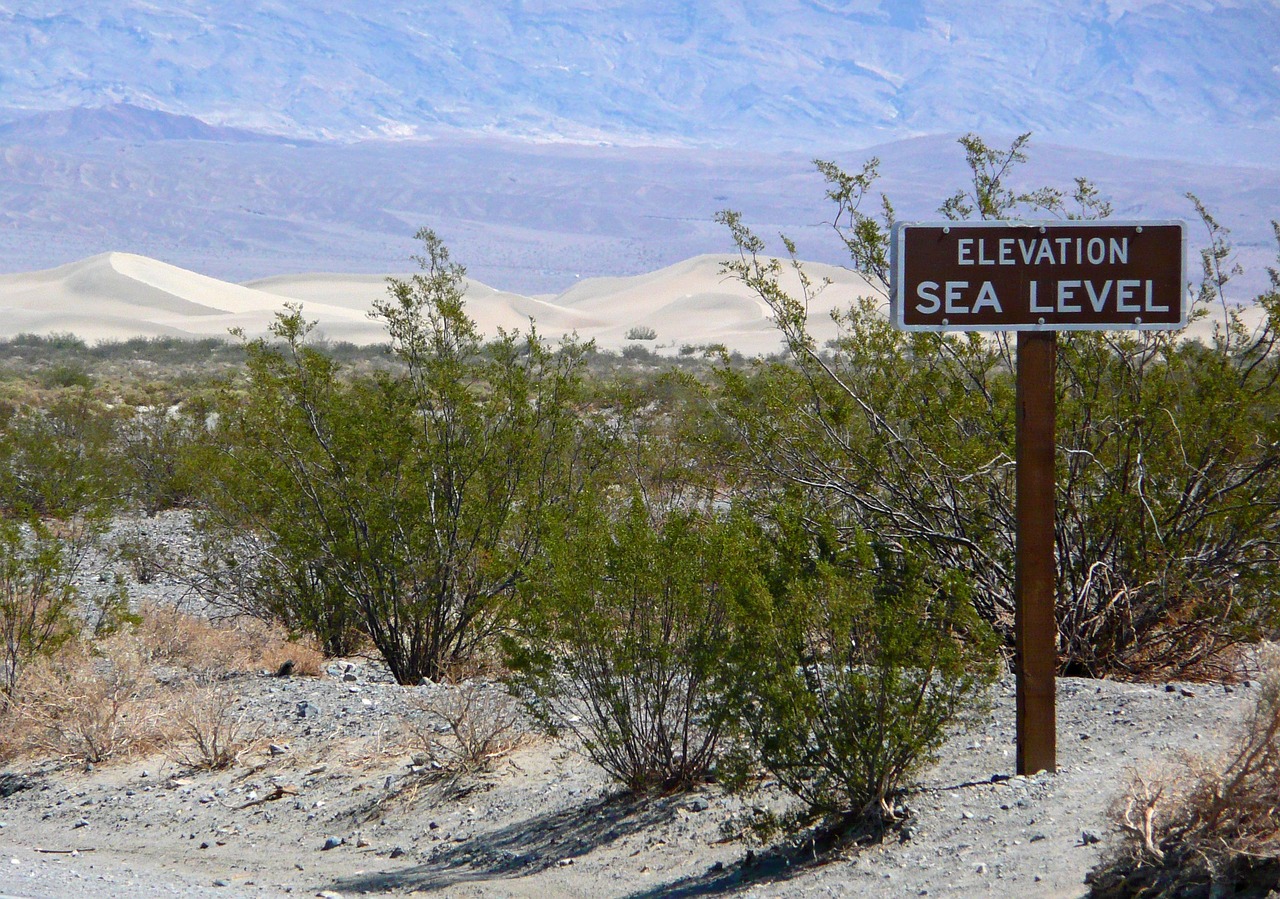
171 637
466 727
84 705
120 695
1213 826
210 731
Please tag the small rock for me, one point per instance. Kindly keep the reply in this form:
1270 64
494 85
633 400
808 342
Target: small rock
308 710
328 894
1170 688
1037 837
221 883
277 749
285 669
1190 694
697 804
564 863
1227 688
331 843
967 815
1089 837
396 852
979 868
81 823
349 677
204 845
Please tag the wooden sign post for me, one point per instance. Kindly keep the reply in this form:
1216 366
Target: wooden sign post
1037 278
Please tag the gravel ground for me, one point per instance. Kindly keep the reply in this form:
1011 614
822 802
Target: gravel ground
334 765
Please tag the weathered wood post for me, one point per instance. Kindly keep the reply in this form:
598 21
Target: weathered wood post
1037 278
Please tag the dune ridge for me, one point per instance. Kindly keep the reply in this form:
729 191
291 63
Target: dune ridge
115 296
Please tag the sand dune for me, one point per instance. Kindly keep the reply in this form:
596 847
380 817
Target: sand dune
114 296
118 295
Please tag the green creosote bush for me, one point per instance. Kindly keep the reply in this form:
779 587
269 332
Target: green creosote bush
58 487
38 597
1168 481
157 443
858 673
642 332
411 501
629 635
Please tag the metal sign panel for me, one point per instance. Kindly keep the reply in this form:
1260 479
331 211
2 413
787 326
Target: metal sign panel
1030 276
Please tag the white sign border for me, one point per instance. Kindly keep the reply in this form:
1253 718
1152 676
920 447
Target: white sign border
898 238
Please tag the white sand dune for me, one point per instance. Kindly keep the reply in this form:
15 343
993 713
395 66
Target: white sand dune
119 295
492 309
115 296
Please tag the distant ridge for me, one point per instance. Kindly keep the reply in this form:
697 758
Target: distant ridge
124 121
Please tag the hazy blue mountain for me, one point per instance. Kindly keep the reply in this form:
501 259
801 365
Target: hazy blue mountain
1190 75
526 217
552 141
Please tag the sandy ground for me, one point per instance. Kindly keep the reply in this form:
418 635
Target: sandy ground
334 763
546 823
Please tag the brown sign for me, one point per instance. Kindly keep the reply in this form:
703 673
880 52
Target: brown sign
1056 276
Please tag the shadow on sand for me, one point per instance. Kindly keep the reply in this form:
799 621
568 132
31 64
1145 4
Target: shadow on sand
522 848
527 847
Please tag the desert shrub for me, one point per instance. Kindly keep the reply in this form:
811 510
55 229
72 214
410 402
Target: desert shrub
415 499
58 460
859 671
1168 466
641 332
1210 823
629 637
164 635
38 595
156 444
209 731
636 352
86 704
252 574
66 376
463 728
145 557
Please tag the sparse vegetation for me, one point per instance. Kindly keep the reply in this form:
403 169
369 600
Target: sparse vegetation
1168 470
1210 826
797 568
159 683
464 728
209 731
631 635
858 673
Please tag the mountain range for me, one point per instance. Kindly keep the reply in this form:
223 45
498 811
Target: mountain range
553 142
769 74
